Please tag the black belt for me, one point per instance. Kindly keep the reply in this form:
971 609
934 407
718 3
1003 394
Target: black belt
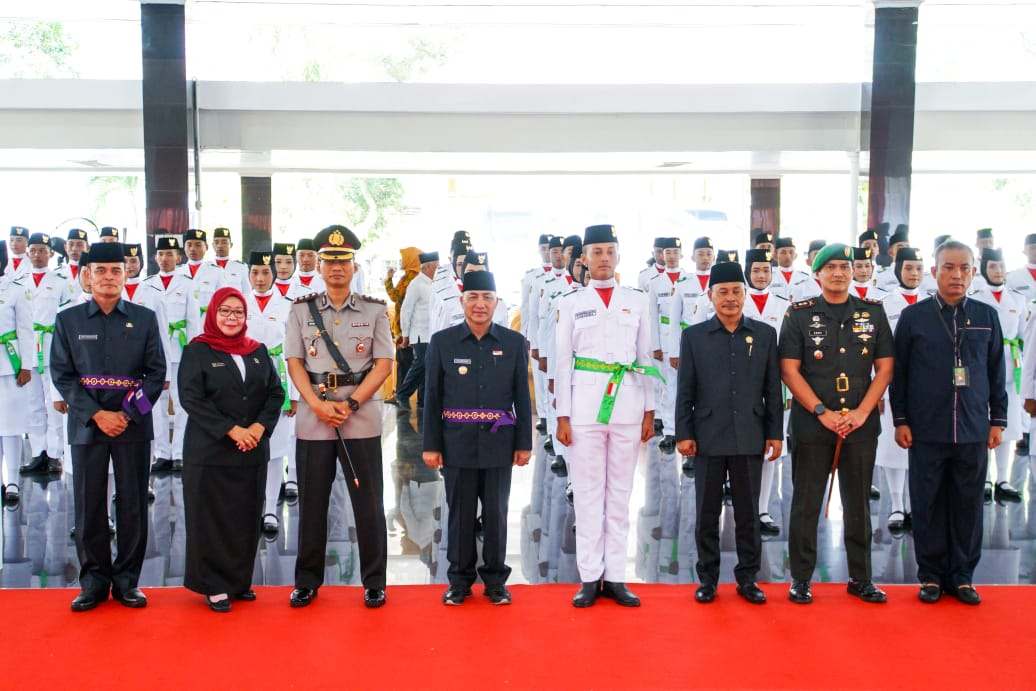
333 380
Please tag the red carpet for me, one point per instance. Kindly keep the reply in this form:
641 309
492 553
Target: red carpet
539 642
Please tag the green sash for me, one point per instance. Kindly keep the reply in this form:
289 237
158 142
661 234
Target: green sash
1016 356
618 371
282 372
8 340
180 329
42 330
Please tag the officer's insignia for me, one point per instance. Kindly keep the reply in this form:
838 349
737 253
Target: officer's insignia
871 301
867 252
358 324
255 360
129 325
266 259
336 239
305 298
768 255
679 243
371 298
197 234
802 304
848 252
856 315
864 351
462 370
134 251
732 256
290 249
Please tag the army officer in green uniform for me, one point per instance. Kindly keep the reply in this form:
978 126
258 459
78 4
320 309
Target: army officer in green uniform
836 354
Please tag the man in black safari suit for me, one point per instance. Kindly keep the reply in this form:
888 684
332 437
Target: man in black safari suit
477 425
108 364
728 412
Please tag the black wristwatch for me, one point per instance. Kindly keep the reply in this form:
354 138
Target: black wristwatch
819 409
352 403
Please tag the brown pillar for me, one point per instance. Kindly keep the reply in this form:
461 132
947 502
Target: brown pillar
256 214
766 207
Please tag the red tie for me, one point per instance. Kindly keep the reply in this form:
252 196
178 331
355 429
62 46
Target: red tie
787 275
16 261
38 277
283 287
760 301
131 288
263 300
305 280
75 270
222 263
569 279
862 290
606 295
911 299
703 280
1032 272
997 295
659 270
194 269
165 281
673 277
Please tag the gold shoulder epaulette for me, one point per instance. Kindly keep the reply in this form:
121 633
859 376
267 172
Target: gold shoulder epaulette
371 298
803 304
871 301
304 298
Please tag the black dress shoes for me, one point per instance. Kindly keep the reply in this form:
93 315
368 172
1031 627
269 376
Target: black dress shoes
548 445
291 490
1006 492
659 428
374 597
800 593
498 594
968 595
53 466
866 591
558 466
541 426
37 466
620 593
930 593
177 465
705 593
247 596
767 526
131 598
162 465
84 601
302 597
751 592
875 493
587 594
667 444
896 522
455 595
687 466
221 606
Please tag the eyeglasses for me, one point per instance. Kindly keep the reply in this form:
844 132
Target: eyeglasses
227 313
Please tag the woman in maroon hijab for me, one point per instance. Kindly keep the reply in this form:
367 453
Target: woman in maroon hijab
233 396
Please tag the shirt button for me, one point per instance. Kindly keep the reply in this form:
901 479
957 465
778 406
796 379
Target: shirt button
337 322
841 350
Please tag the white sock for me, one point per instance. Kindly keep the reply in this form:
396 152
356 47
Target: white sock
766 485
896 478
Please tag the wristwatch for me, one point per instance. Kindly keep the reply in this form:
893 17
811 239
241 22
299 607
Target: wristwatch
819 409
352 403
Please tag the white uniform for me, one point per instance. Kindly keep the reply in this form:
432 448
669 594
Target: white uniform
805 289
1023 281
868 291
183 323
70 271
885 278
603 456
45 425
1012 310
18 265
783 281
18 345
316 282
890 455
647 275
661 289
207 279
235 274
682 305
529 290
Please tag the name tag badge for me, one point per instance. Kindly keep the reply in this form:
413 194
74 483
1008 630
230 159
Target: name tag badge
87 337
960 377
219 364
461 361
360 324
498 353
585 314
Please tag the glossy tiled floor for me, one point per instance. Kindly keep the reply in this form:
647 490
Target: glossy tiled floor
39 552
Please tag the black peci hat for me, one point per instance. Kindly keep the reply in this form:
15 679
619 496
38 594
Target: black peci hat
479 280
260 258
106 253
599 234
726 272
428 257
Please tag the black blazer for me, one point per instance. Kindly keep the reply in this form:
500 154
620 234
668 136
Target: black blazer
215 398
728 396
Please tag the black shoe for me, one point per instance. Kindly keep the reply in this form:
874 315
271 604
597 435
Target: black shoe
800 593
875 493
247 596
11 494
162 465
111 526
391 400
177 465
84 601
908 520
271 524
767 526
705 593
221 606
1022 447
968 595
668 444
587 594
497 594
751 592
687 466
374 597
620 593
1006 492
930 593
570 496
987 493
53 465
866 591
455 595
896 522
37 466
150 495
291 490
659 428
541 426
131 598
548 445
559 467
302 597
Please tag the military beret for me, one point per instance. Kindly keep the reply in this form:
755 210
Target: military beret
834 251
195 234
109 232
703 243
428 257
479 280
599 234
167 242
726 272
105 253
260 258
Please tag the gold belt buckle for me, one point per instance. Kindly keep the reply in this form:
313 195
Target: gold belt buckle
332 380
842 384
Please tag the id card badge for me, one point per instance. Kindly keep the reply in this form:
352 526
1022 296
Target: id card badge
960 377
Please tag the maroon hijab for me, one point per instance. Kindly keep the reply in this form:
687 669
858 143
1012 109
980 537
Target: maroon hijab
240 344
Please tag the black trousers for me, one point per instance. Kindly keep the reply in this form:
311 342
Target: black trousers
130 461
946 484
404 359
316 461
465 487
414 380
745 473
810 475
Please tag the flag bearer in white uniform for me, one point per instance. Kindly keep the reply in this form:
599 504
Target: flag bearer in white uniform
76 243
308 277
18 247
785 275
529 282
1011 307
654 269
17 353
207 277
605 407
267 321
50 292
235 273
762 304
184 323
885 278
686 292
863 275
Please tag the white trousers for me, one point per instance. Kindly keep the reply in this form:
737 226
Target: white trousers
46 426
602 464
160 417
